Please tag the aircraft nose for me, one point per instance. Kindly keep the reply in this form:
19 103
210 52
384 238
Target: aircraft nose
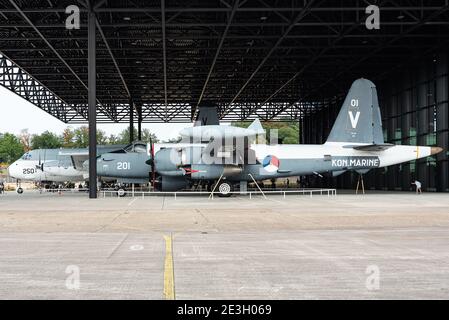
11 172
435 150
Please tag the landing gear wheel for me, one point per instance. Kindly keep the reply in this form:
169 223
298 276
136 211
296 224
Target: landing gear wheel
19 190
225 189
121 192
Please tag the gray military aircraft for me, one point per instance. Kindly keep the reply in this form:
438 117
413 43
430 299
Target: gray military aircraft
47 166
356 143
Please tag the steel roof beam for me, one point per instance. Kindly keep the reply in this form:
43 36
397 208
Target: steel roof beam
112 57
298 18
164 51
30 23
381 47
217 53
211 25
310 62
394 8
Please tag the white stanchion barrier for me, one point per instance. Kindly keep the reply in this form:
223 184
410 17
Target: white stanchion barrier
250 193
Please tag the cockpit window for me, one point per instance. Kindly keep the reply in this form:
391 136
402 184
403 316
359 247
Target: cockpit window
137 147
129 148
27 156
140 148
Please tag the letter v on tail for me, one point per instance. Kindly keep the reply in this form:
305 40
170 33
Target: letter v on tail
354 120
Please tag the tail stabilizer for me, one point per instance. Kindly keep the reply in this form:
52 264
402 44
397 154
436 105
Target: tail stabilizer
359 120
256 126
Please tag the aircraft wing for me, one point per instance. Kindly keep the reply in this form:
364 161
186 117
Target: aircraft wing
216 153
78 157
372 147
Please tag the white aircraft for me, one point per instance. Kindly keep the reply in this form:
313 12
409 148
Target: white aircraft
50 165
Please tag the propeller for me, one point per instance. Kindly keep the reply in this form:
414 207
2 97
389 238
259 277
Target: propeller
152 163
41 164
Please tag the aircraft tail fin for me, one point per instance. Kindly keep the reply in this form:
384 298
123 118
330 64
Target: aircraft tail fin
207 116
256 126
359 120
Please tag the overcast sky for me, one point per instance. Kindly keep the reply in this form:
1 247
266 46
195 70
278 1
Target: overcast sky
17 114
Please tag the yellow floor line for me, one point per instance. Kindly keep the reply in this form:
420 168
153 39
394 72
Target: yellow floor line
169 276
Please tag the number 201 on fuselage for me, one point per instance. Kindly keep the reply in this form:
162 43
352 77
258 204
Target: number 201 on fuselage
123 166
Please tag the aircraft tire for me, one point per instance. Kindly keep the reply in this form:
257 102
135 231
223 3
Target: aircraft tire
19 190
225 188
121 192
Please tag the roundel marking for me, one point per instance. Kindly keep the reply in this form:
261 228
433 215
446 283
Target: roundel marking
271 163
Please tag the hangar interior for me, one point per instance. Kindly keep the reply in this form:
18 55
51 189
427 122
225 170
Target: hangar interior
159 61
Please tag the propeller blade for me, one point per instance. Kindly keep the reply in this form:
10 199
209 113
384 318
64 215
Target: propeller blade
153 165
42 164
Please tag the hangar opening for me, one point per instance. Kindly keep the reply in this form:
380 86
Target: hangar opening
159 61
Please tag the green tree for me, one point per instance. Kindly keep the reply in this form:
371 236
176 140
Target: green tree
81 137
113 139
46 140
68 138
147 136
287 132
10 148
288 135
102 138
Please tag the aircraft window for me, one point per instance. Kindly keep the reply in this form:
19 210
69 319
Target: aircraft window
140 148
119 151
26 156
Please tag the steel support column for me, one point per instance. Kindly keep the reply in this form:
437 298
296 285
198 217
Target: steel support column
405 105
139 122
423 121
131 121
92 100
442 139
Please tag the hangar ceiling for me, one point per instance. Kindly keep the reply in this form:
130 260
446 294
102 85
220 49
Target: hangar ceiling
252 58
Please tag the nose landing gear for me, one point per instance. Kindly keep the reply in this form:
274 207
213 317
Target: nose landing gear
19 188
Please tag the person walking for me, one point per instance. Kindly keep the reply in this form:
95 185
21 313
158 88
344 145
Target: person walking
418 186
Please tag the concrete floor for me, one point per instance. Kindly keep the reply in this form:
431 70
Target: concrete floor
238 248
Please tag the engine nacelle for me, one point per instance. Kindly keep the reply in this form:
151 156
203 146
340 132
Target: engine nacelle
169 161
169 184
213 172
